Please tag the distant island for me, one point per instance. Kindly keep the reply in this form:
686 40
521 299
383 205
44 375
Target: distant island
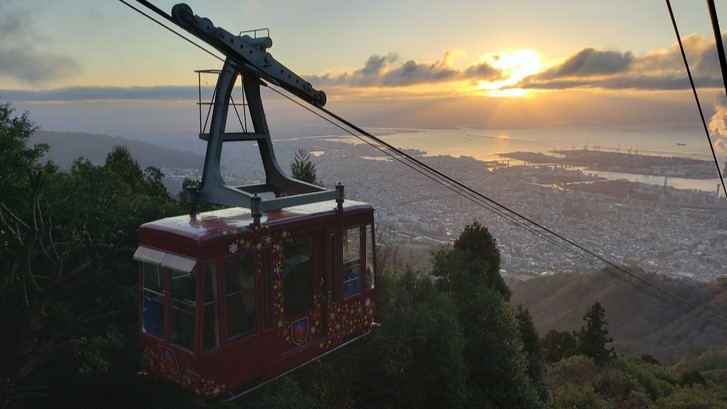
621 162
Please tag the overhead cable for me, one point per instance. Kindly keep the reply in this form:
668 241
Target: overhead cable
696 96
465 191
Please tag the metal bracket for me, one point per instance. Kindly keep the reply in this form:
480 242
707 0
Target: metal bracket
286 191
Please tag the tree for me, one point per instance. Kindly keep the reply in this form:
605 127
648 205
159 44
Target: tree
67 294
533 350
414 360
303 169
578 396
559 345
695 397
593 336
477 240
474 260
17 158
498 372
469 273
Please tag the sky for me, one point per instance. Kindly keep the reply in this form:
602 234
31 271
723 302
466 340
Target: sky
100 67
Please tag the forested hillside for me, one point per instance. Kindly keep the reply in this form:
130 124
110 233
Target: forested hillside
642 318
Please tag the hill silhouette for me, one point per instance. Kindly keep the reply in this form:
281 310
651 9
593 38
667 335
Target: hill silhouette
640 319
65 147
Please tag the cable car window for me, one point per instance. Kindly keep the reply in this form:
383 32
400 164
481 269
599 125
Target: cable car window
298 282
182 304
352 262
370 258
211 326
240 296
267 291
152 316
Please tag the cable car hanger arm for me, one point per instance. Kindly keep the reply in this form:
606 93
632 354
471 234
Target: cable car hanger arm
249 54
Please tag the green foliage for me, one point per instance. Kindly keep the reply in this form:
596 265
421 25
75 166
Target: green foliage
649 359
711 361
92 351
67 296
623 382
691 378
578 397
469 273
657 380
576 369
17 158
712 366
493 350
559 345
414 360
303 169
435 345
474 261
631 382
533 351
593 337
624 390
477 240
284 393
697 397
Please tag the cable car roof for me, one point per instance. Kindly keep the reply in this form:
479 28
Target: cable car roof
210 225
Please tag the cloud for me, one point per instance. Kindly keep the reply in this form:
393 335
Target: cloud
655 70
483 72
21 59
587 68
590 62
386 71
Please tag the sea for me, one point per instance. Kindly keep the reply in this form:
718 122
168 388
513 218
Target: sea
490 144
680 140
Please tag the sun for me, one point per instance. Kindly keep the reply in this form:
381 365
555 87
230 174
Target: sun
514 66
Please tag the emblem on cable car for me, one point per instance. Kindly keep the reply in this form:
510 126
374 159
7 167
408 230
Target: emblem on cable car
170 360
299 330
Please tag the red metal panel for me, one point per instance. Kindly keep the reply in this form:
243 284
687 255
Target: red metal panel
268 352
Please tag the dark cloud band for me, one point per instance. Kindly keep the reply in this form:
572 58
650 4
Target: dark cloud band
21 59
386 71
103 93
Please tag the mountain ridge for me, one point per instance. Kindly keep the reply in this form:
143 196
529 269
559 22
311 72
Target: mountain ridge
65 147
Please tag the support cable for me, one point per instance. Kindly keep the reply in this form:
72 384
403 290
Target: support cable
465 191
475 193
718 42
512 215
161 13
696 97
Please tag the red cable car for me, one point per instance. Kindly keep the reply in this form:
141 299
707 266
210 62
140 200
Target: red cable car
227 302
230 299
